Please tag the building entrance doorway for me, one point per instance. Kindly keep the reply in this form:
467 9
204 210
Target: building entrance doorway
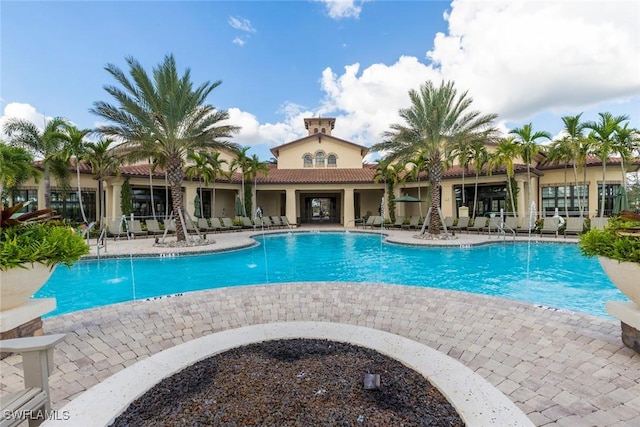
320 209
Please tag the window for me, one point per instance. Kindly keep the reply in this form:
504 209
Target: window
554 197
611 191
69 207
324 130
315 130
308 161
319 159
22 195
332 161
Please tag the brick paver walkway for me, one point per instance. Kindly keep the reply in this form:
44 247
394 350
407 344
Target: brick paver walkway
560 368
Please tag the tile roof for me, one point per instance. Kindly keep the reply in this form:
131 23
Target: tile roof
275 150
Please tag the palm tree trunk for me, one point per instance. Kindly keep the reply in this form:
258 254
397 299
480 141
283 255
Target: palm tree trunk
566 206
435 175
575 174
513 204
463 195
213 198
84 217
475 196
151 199
201 200
47 187
175 176
604 187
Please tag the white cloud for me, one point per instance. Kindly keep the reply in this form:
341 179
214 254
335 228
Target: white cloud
16 110
522 58
239 41
338 9
241 24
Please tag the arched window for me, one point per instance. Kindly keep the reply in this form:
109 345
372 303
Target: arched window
319 159
332 161
324 130
308 161
315 130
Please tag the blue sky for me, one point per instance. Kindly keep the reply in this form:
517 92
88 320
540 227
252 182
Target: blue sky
281 61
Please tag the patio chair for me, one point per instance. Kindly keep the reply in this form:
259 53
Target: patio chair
170 225
216 225
203 225
413 223
550 226
448 222
527 225
599 223
493 225
574 226
37 365
398 223
116 229
376 221
189 225
285 221
275 220
462 224
153 227
511 223
479 224
226 222
246 222
135 228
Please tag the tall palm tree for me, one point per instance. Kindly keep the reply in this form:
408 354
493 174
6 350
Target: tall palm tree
215 163
528 148
200 169
603 135
255 167
166 115
579 148
462 152
242 162
479 158
437 118
104 162
506 151
75 146
560 151
43 144
627 140
390 173
417 165
16 166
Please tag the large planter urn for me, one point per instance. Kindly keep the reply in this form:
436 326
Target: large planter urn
625 275
17 285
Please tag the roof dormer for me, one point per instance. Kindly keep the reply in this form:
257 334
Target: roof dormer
322 125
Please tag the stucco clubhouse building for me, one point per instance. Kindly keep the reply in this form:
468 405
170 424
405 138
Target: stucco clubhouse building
322 178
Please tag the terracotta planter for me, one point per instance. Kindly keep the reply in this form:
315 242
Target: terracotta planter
625 275
17 285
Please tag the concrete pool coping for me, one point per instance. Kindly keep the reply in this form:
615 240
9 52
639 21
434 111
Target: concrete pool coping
475 399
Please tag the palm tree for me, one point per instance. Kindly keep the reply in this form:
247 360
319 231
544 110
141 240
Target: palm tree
43 144
437 118
560 152
242 162
528 148
626 142
417 166
461 150
506 151
579 149
603 135
199 168
74 146
215 163
103 161
479 158
164 115
390 173
16 166
255 167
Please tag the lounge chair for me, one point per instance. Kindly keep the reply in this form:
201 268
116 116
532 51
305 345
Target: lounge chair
573 226
550 226
229 224
511 223
216 225
153 227
398 223
448 222
246 222
135 228
527 225
462 224
493 225
599 223
116 229
203 225
376 221
170 225
37 365
285 221
413 223
479 224
266 222
275 220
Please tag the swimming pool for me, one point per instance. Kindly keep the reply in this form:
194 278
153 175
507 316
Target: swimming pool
554 275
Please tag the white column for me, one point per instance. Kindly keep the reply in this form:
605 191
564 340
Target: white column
348 208
291 208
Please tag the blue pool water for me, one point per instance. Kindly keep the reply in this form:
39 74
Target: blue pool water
556 275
